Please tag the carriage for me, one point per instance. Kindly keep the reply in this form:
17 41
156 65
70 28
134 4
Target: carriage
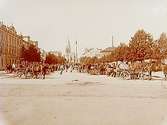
126 70
140 69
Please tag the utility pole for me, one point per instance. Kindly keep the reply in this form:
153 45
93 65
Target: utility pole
69 51
112 41
76 51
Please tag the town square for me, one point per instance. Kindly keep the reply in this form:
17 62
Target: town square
80 62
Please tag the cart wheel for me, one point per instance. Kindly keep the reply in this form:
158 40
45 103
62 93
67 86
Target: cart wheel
125 75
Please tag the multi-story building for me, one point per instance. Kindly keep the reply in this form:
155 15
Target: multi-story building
107 51
11 45
28 41
43 54
93 52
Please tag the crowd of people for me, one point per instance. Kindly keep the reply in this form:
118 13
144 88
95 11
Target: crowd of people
126 70
40 70
34 70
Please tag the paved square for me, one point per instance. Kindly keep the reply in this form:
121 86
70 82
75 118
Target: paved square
82 99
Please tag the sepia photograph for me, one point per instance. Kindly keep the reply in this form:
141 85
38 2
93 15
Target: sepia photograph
83 62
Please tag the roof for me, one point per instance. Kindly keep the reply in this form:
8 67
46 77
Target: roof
108 49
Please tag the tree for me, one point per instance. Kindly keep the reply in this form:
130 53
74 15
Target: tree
121 52
53 59
61 59
162 45
156 54
141 46
89 60
31 54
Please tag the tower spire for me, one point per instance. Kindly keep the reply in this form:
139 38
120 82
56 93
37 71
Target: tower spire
68 51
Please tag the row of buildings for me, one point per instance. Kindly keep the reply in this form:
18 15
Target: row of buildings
11 44
71 55
96 52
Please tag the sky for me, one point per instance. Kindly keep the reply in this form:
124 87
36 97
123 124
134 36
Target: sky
91 22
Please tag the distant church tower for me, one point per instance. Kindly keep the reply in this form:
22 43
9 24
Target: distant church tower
68 51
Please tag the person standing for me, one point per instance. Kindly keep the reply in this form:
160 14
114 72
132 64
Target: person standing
13 67
44 70
61 69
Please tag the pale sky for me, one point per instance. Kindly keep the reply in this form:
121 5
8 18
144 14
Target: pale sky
91 22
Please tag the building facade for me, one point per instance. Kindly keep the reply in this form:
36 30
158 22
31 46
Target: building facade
11 45
92 52
27 41
107 51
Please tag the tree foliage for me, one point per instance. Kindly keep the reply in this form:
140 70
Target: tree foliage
140 47
89 60
162 45
53 59
30 54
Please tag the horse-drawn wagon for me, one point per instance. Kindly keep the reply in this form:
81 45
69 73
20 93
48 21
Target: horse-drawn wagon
140 69
126 70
